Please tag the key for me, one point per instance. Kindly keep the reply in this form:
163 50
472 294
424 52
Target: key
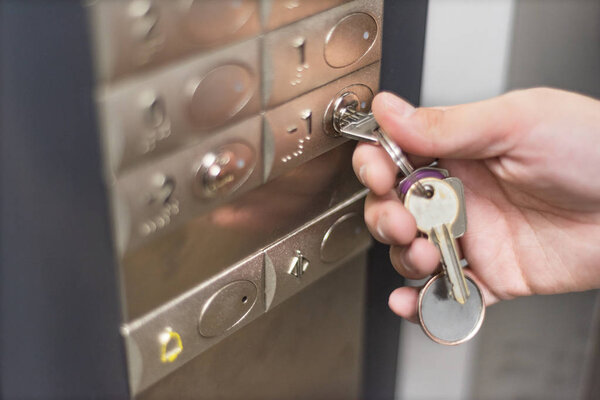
357 125
435 216
450 306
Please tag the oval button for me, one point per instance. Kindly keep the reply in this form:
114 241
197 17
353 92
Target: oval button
220 95
223 171
346 234
350 39
227 307
210 22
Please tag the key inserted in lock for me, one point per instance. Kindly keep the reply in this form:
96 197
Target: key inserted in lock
345 117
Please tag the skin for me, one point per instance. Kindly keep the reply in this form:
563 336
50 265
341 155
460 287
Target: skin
530 164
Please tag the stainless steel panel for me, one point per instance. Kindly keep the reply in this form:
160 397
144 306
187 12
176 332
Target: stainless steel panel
144 337
147 207
205 245
277 13
146 117
343 237
309 347
294 57
294 131
280 282
139 34
219 306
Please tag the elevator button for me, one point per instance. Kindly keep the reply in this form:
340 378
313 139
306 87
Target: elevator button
227 307
350 39
220 95
307 54
345 235
223 171
210 22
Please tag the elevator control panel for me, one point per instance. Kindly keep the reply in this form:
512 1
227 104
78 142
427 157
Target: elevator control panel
228 193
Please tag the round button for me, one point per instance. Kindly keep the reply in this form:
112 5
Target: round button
228 306
343 237
212 21
220 95
350 39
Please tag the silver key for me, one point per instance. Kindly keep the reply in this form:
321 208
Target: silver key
361 126
435 216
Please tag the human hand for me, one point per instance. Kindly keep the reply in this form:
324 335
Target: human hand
529 161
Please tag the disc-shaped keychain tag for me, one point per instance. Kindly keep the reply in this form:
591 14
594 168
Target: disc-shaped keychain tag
445 320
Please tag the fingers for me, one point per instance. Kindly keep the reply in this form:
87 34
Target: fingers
403 302
374 168
477 130
388 221
416 261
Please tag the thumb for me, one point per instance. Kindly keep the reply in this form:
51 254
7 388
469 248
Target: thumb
477 130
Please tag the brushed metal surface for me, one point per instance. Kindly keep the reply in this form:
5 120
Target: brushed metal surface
139 220
135 36
277 13
143 336
171 262
294 56
309 347
350 39
222 304
279 283
228 306
152 114
294 131
346 233
220 95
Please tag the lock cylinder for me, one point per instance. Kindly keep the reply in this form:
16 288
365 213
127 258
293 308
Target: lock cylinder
223 171
356 97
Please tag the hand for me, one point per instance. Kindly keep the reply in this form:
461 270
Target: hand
530 164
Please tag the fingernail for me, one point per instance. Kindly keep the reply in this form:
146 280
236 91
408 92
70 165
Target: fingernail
382 227
362 174
398 105
406 262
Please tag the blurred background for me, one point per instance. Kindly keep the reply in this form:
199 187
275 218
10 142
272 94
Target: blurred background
543 347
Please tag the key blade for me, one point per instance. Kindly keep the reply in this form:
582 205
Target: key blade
361 129
452 266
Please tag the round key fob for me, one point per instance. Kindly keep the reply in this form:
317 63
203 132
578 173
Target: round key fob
445 320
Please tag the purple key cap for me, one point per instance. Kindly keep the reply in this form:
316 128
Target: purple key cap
418 175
